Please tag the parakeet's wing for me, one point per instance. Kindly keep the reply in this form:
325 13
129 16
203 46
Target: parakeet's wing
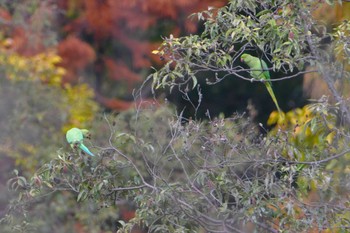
265 69
258 66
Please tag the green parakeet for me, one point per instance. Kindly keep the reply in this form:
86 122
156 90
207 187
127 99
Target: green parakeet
75 138
260 72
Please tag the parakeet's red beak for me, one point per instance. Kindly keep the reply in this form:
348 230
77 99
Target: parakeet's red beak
242 60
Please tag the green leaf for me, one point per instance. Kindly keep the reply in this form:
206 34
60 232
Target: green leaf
82 195
330 2
155 78
16 172
22 181
99 187
47 184
195 81
313 125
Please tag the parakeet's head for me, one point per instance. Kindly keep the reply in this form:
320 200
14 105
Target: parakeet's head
246 57
86 133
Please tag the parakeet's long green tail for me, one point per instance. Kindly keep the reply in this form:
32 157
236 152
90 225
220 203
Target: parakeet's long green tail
272 94
85 149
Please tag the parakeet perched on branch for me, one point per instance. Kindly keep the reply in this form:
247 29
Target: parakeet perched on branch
75 138
260 71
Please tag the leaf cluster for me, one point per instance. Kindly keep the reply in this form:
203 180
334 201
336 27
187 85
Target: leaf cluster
273 31
185 176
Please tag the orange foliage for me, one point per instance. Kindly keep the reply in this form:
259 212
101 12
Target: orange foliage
312 199
121 27
5 15
139 50
343 11
324 13
113 103
19 39
122 105
79 228
126 212
120 71
100 17
330 15
29 39
76 55
16 36
314 85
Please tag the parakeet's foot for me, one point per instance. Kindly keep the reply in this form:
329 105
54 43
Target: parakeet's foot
75 145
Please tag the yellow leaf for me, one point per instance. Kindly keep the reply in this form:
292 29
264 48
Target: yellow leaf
330 137
273 118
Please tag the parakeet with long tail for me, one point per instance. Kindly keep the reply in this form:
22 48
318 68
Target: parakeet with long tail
260 71
75 138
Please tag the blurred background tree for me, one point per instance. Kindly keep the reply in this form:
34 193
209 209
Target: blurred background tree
116 38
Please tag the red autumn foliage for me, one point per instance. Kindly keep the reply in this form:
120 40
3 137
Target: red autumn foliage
139 49
117 36
5 15
79 228
17 38
76 55
120 35
119 71
31 38
99 16
113 103
126 213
